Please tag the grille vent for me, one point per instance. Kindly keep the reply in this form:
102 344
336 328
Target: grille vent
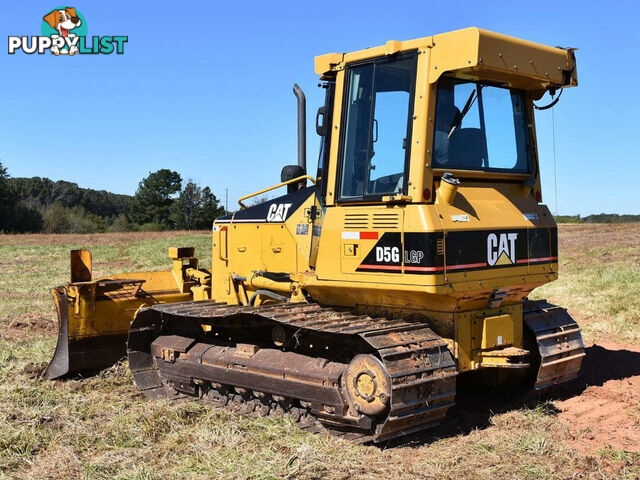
440 246
386 220
356 220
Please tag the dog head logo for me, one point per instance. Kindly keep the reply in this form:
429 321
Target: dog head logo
63 20
64 26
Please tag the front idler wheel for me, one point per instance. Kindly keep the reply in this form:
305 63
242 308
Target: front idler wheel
368 385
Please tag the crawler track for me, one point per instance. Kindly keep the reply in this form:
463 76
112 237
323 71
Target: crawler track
558 340
367 379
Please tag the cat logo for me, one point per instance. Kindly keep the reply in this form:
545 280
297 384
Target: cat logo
501 249
278 212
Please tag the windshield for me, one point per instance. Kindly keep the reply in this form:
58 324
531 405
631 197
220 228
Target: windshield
480 127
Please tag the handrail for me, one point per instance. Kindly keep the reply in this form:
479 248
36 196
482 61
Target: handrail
293 180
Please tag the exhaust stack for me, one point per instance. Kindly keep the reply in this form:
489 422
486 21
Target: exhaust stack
302 126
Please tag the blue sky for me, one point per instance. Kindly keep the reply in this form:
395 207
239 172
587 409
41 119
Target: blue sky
204 88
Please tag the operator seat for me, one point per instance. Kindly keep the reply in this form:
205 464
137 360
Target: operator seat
468 149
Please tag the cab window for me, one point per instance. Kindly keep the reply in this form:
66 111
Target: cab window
481 127
376 128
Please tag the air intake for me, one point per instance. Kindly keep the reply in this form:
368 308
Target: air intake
356 220
386 220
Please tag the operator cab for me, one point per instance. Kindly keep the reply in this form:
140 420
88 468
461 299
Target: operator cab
479 126
407 112
426 144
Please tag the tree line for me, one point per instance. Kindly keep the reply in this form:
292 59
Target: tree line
598 218
163 201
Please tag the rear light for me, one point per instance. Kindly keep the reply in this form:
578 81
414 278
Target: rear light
426 193
538 196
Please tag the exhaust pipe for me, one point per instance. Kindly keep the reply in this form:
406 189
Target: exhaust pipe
302 126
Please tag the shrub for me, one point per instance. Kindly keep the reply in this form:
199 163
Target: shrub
59 219
151 227
119 224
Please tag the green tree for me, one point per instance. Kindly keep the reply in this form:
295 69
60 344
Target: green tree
6 202
210 209
27 217
56 219
196 208
154 197
41 193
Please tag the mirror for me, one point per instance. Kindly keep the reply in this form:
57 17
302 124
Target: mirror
321 126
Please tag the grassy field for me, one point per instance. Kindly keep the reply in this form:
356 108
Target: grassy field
600 279
100 427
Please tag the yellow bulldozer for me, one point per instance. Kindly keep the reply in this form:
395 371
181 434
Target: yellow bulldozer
355 300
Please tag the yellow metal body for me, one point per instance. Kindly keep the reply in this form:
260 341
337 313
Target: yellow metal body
455 302
318 246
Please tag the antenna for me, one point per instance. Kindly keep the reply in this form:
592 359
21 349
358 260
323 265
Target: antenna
555 171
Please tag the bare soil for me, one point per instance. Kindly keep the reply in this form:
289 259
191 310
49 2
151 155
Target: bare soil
605 408
28 326
599 410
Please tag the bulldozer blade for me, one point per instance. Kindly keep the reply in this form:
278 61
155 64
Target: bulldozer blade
94 315
75 354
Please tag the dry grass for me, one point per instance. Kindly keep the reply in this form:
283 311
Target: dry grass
600 279
100 427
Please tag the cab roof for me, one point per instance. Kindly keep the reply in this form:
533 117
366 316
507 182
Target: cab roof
475 54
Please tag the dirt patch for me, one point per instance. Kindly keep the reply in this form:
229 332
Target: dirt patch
119 264
600 409
26 326
34 370
21 295
56 463
10 295
89 239
605 410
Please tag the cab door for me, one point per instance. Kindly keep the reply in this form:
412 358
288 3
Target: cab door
363 229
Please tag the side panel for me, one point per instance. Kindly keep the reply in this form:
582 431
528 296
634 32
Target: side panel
347 247
497 230
274 236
